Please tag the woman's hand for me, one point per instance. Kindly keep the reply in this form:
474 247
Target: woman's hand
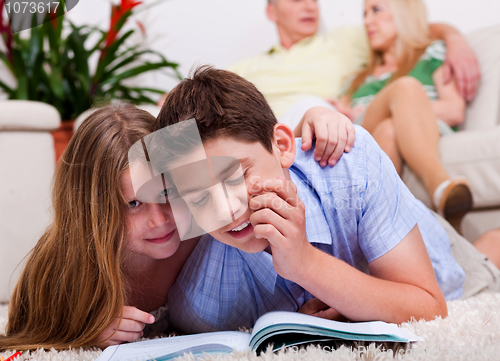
343 107
128 328
333 131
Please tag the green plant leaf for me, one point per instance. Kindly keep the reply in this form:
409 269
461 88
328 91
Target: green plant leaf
55 83
145 89
7 62
135 71
122 20
10 91
97 46
51 64
109 55
22 88
131 58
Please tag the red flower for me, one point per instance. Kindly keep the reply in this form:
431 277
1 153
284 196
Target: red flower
117 13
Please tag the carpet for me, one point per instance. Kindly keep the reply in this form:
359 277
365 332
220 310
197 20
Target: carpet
470 332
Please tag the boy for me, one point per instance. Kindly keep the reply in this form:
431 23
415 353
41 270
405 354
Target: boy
369 260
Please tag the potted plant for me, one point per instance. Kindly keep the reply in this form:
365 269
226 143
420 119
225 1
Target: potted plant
51 62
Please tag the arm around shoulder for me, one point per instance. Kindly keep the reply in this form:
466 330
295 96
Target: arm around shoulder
450 105
461 61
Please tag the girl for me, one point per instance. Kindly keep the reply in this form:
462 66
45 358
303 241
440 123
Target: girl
400 95
106 256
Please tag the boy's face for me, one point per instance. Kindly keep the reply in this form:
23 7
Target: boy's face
209 205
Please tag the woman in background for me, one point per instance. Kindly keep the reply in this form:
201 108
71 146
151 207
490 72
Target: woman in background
401 95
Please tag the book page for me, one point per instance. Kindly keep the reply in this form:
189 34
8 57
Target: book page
274 319
169 348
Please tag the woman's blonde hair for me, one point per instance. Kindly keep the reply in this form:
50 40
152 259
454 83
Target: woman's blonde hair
410 20
73 284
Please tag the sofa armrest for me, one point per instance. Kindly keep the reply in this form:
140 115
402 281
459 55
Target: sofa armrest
28 115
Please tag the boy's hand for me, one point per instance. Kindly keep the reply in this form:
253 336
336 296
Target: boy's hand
279 216
128 329
333 131
318 308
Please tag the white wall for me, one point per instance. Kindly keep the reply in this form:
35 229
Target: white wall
221 32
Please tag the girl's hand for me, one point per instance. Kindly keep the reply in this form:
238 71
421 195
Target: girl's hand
333 131
128 328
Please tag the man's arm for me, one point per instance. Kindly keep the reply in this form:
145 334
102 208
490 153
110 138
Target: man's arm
461 62
450 105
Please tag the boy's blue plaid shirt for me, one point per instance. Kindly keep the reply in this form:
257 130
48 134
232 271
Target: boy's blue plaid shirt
356 211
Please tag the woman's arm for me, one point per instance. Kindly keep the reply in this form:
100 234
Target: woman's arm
343 105
450 106
461 61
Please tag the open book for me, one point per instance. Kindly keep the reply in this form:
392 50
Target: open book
277 328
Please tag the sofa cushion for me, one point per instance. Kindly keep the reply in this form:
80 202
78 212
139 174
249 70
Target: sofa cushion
476 223
474 155
484 111
28 115
27 163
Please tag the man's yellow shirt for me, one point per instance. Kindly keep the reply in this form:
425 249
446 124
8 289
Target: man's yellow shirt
316 66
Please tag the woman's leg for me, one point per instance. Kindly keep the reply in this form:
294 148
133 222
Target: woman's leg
489 245
414 138
417 133
385 135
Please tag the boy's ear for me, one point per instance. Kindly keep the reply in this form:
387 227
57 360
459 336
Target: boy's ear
284 140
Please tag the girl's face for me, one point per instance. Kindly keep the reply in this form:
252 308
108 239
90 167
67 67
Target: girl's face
151 228
379 25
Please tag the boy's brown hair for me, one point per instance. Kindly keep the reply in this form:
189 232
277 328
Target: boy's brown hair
223 104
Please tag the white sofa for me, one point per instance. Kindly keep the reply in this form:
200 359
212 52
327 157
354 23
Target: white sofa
27 163
474 151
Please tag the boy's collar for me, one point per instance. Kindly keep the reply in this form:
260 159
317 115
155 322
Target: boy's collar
317 228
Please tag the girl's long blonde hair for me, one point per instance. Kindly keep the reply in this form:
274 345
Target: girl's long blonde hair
410 20
73 284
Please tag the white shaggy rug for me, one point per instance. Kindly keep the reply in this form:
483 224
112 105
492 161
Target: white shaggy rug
470 332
